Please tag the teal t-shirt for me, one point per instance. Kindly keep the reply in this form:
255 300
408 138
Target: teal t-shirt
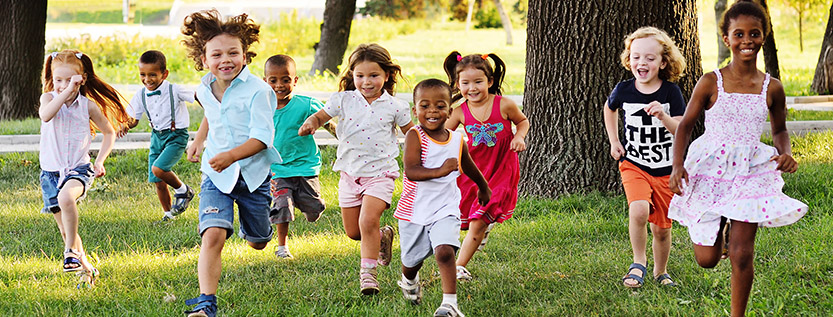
300 154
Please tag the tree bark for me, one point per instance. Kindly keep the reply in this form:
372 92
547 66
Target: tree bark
569 75
21 60
469 14
504 19
723 52
335 33
770 51
823 78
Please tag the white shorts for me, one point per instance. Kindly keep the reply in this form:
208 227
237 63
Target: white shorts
417 242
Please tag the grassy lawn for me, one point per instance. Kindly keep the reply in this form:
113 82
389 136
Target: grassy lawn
555 257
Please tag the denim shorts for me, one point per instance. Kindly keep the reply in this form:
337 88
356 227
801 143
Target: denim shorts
217 209
50 187
166 148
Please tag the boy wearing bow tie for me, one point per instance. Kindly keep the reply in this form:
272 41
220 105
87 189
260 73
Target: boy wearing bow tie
164 104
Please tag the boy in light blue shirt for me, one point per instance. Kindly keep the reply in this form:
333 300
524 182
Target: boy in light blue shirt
237 135
295 181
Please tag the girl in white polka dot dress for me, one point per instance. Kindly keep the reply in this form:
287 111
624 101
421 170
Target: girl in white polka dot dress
367 150
731 182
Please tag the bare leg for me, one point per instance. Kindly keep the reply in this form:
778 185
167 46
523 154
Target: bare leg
71 190
742 254
662 249
168 177
350 220
448 272
638 212
209 265
282 230
371 211
477 228
164 195
411 272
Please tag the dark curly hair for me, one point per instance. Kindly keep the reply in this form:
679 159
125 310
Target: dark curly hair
371 53
200 27
747 8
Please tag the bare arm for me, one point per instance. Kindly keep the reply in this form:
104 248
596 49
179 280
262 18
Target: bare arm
701 98
455 119
611 120
406 128
413 165
484 193
109 138
195 150
50 106
514 114
780 136
314 122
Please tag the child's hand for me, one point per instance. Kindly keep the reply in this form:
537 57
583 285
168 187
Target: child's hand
122 131
518 144
617 151
98 169
786 163
678 180
75 82
306 129
449 166
655 109
192 154
483 196
220 161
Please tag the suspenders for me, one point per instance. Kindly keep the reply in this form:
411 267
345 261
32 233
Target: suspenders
173 111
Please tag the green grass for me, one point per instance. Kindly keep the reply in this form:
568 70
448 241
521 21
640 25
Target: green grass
555 257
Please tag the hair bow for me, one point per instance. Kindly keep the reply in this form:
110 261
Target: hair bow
459 58
484 56
55 54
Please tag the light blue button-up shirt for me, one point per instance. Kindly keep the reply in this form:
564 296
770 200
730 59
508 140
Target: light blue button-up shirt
245 113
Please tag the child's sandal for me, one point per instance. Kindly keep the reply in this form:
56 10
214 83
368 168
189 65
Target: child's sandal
662 277
639 279
72 261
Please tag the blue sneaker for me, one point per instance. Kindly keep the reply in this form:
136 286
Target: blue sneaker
206 306
181 201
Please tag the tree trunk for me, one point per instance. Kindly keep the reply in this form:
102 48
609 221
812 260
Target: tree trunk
504 19
469 14
823 79
723 52
800 33
569 75
335 33
770 51
21 60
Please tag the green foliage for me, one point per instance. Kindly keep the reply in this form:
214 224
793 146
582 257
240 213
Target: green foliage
487 15
395 9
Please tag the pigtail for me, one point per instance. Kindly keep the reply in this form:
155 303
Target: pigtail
450 67
46 79
497 75
107 98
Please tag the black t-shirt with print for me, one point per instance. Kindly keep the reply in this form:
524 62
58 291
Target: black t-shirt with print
646 141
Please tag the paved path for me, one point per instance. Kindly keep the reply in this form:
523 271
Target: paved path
141 140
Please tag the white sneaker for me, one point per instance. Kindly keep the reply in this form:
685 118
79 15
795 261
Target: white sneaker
283 253
412 292
463 274
448 310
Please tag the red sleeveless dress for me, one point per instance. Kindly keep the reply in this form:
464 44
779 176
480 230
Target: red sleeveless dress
488 143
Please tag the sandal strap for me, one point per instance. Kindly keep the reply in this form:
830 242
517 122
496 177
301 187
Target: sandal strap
663 277
639 279
201 299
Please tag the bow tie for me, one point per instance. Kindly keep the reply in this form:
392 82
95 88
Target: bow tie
154 93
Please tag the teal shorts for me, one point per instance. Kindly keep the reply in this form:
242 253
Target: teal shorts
166 148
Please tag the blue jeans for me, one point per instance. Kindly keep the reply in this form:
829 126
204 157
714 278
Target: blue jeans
217 210
50 187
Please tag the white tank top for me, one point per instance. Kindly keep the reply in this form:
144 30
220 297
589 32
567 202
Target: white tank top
424 202
65 140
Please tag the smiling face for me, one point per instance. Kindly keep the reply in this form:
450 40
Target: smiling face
151 75
744 38
432 107
369 79
282 79
61 76
646 60
224 57
474 85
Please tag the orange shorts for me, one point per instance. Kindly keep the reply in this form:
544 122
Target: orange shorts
640 185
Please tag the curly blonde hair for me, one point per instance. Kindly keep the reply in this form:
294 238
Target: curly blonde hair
674 60
200 27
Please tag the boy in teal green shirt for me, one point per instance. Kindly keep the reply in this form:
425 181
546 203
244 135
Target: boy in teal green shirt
295 180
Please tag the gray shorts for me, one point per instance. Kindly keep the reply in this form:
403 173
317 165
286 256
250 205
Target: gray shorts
299 192
417 242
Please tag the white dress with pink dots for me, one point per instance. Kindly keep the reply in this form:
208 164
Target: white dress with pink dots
730 172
